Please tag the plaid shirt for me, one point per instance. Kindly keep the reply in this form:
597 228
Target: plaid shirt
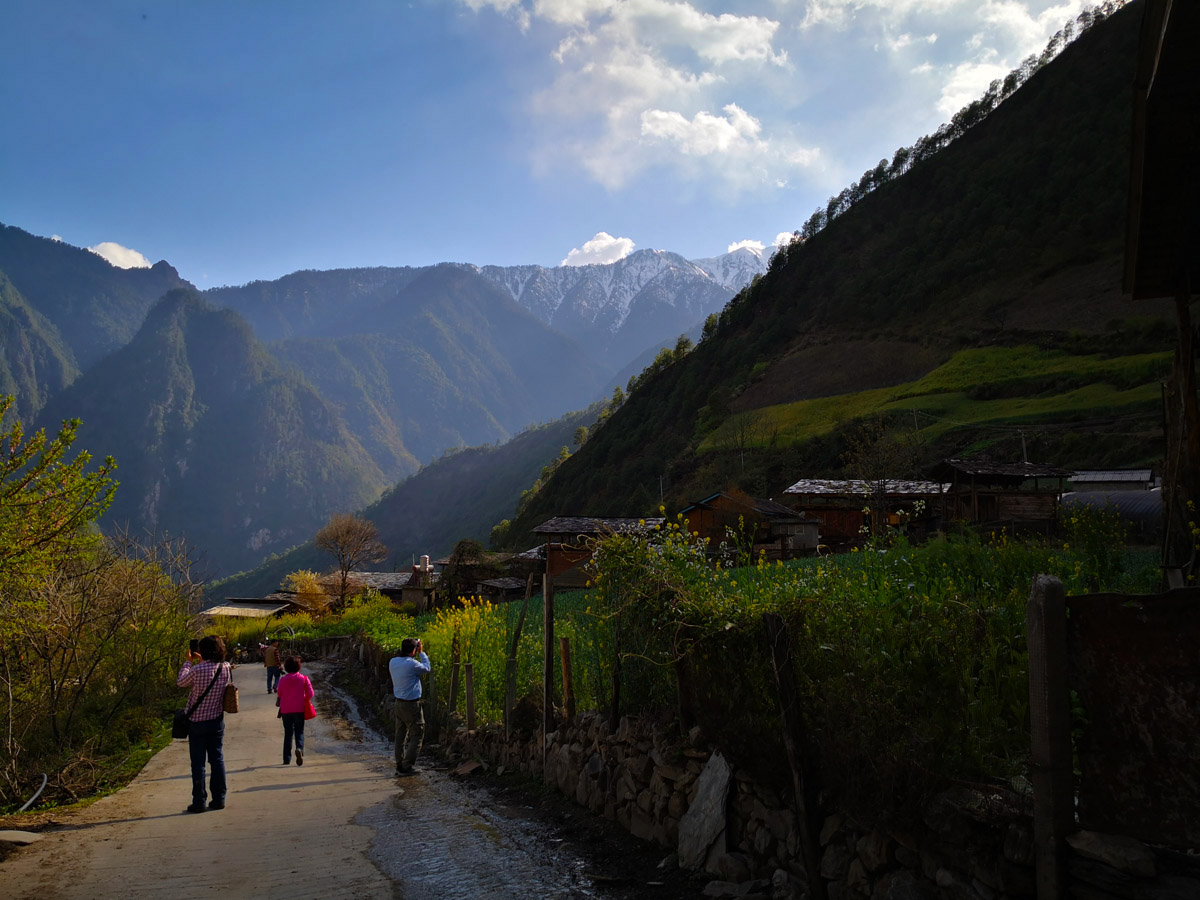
198 676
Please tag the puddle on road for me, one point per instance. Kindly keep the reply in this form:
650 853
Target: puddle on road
443 839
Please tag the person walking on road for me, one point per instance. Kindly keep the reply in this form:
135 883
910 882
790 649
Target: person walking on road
206 673
273 661
406 671
295 691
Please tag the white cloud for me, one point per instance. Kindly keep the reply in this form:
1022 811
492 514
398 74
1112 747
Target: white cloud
967 82
56 237
623 63
121 257
757 246
733 142
601 249
783 238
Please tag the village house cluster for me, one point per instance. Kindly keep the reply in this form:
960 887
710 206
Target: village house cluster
812 516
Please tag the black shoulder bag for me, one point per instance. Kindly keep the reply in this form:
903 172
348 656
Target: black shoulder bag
179 725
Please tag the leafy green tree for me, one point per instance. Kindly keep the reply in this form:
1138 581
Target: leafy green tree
46 499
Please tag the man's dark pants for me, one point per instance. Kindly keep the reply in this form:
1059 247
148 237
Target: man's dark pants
410 730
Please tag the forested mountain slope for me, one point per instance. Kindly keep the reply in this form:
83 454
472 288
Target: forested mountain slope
462 495
419 360
34 362
95 306
215 440
1010 235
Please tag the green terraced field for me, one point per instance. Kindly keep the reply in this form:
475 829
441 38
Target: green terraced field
979 387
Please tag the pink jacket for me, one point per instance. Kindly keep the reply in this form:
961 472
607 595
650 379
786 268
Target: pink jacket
293 690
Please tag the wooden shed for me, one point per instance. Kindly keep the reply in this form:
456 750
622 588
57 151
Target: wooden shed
1019 496
774 529
568 541
842 506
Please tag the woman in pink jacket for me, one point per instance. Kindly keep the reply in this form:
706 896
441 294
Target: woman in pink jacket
295 691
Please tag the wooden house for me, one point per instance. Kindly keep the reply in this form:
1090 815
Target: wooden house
568 544
1019 496
844 506
774 529
1162 249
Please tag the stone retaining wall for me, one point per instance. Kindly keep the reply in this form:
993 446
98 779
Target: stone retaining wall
970 844
684 797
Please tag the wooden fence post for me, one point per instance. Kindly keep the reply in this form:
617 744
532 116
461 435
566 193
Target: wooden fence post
1050 733
452 700
469 675
510 667
548 724
431 700
564 648
800 758
614 710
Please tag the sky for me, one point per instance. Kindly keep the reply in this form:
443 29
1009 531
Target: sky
242 141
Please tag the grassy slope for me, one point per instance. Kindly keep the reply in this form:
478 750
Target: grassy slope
980 386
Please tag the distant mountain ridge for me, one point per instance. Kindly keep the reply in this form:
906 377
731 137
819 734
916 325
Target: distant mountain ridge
95 306
215 440
623 306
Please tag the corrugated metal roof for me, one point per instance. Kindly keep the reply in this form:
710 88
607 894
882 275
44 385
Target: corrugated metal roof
1017 470
856 487
1113 476
533 553
593 524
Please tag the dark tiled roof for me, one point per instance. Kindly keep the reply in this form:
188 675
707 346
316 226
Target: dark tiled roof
1007 471
505 584
855 487
593 525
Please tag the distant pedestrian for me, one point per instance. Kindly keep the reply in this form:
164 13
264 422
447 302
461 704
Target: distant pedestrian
272 660
295 692
406 671
206 673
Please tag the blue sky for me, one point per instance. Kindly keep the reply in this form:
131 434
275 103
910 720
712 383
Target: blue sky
248 140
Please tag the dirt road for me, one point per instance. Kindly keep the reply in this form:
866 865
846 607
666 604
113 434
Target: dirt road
341 826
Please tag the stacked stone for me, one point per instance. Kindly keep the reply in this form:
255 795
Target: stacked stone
969 844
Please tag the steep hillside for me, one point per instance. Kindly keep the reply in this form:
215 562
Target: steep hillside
214 439
35 364
462 495
521 370
419 360
1010 235
95 306
310 303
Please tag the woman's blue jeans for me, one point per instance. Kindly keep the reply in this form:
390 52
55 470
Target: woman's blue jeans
205 740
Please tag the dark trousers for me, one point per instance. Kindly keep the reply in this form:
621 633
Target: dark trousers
410 730
293 724
274 673
205 742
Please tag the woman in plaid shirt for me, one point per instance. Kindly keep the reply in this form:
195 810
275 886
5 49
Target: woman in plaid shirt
206 724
